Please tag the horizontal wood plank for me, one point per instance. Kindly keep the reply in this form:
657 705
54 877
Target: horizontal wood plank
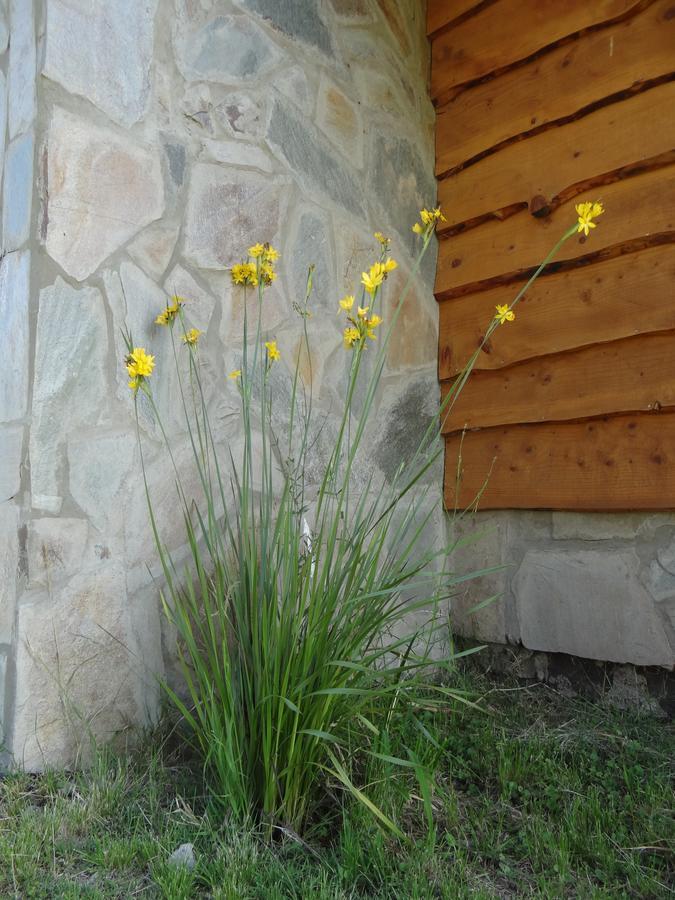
632 375
556 85
606 301
635 207
440 12
625 462
548 164
508 31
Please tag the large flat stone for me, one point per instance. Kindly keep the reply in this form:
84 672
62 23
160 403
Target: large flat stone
153 248
226 213
102 51
3 119
102 188
340 120
316 165
70 386
589 603
226 49
312 246
16 213
9 562
56 549
22 67
591 526
403 422
296 18
11 447
14 334
85 660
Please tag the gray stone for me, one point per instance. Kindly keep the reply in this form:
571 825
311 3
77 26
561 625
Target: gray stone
312 247
177 158
183 857
296 18
102 190
56 549
237 153
9 562
293 83
104 477
153 248
11 448
308 154
666 557
102 51
200 303
22 67
404 422
241 116
3 681
3 120
14 335
70 387
4 31
85 658
589 526
16 210
589 603
226 49
352 9
226 214
659 582
630 691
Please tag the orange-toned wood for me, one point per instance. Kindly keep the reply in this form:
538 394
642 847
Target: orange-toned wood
635 207
624 462
440 12
556 85
632 375
588 305
548 164
508 31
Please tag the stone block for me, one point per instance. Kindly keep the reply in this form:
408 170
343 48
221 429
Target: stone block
4 31
11 448
414 340
294 84
22 67
241 116
237 153
403 421
396 20
227 213
312 246
338 117
592 526
84 664
102 51
102 189
305 150
3 681
298 19
70 386
9 563
352 10
56 550
3 120
589 603
14 335
153 248
226 49
18 189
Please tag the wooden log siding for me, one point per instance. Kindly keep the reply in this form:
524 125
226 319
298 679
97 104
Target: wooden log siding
541 104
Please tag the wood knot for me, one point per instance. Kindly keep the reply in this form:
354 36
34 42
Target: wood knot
539 206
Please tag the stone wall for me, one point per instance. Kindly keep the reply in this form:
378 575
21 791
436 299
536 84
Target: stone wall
148 143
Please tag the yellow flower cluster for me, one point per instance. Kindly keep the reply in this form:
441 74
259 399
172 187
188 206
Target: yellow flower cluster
428 220
139 366
360 326
504 314
191 337
587 212
373 278
272 351
168 316
259 267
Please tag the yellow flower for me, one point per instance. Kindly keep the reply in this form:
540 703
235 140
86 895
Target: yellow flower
245 273
417 228
389 266
191 337
272 351
347 302
372 279
587 212
168 316
350 336
385 241
139 366
235 374
374 321
362 311
429 219
267 273
256 250
504 314
271 255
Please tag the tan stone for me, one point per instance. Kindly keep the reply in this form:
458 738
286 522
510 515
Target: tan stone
414 340
153 247
338 117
